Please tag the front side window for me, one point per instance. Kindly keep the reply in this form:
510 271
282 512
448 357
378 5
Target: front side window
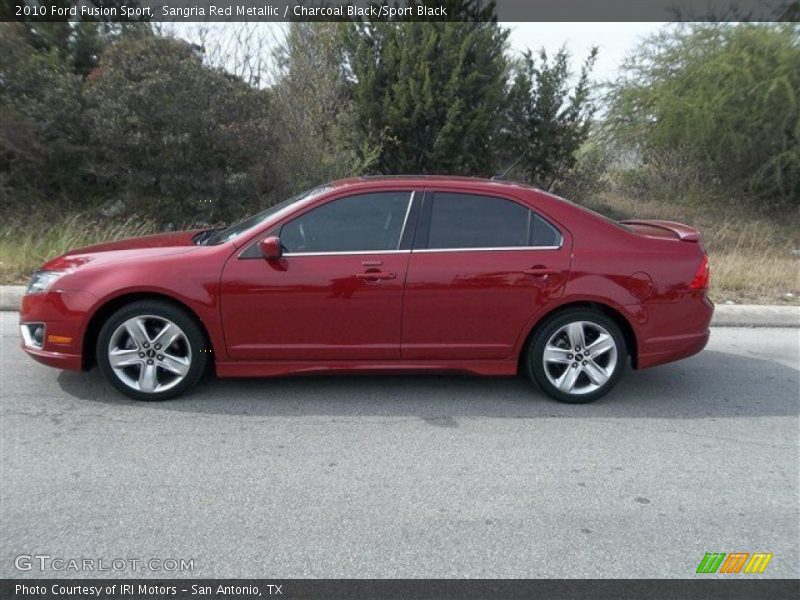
214 237
365 222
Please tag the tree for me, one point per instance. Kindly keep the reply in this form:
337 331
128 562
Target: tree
430 96
176 138
547 120
42 135
724 97
77 43
317 138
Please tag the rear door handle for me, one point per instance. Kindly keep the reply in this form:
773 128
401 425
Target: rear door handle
376 275
540 270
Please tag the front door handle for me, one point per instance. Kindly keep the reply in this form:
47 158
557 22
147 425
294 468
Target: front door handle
375 275
540 270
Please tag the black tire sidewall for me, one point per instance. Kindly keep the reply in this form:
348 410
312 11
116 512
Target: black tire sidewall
194 335
535 352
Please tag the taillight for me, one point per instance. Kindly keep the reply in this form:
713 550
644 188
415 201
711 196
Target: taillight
700 279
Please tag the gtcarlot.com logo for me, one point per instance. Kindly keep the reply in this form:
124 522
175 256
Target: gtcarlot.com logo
44 562
735 562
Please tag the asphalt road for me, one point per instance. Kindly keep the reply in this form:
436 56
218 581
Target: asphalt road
435 476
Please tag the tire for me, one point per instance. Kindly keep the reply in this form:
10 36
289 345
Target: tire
566 373
158 349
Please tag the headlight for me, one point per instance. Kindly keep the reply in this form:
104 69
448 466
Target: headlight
41 280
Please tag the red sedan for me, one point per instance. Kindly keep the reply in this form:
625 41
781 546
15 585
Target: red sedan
381 275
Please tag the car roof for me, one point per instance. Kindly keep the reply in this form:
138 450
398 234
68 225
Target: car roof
422 180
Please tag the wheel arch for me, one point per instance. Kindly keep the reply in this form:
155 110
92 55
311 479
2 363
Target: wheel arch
611 312
111 305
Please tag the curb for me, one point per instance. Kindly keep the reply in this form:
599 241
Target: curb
725 315
755 315
11 296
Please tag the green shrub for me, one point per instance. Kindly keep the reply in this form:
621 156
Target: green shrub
717 104
164 125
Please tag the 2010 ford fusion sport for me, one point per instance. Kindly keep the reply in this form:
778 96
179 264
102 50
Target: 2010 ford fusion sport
381 275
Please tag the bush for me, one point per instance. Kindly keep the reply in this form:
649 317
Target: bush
719 104
164 126
588 176
42 135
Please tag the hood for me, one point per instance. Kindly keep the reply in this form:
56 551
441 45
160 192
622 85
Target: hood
159 240
146 246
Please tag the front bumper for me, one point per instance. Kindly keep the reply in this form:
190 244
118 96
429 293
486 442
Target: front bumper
64 316
59 360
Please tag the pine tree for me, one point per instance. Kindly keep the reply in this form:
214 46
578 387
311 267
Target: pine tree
431 95
547 121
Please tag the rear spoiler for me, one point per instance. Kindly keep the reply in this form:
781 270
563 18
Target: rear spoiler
683 232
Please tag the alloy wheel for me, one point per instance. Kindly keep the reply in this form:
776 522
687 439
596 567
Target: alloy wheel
149 354
580 357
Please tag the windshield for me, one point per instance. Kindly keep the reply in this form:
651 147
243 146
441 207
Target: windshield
233 231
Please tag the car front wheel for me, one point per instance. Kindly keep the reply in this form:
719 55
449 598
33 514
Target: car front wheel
152 350
577 356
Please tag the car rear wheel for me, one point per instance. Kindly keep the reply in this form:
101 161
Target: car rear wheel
152 350
577 356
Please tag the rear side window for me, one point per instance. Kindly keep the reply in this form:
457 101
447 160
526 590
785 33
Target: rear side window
474 221
365 222
542 233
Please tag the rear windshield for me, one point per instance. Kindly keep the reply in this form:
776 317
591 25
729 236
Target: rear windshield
605 218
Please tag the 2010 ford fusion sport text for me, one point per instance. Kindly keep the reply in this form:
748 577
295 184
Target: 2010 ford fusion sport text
413 274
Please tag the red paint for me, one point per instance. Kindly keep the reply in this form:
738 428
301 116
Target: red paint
403 311
304 307
473 304
270 248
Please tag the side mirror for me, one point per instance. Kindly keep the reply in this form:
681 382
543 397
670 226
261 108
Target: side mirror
271 248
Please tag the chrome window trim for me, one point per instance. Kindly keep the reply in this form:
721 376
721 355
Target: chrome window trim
346 253
419 250
495 249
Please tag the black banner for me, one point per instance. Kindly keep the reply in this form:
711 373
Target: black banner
732 588
401 10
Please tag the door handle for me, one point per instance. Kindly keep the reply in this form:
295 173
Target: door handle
540 270
375 275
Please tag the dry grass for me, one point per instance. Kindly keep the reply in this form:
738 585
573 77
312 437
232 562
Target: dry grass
23 248
751 257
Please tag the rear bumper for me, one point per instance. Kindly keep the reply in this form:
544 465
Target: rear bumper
674 331
674 348
63 315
